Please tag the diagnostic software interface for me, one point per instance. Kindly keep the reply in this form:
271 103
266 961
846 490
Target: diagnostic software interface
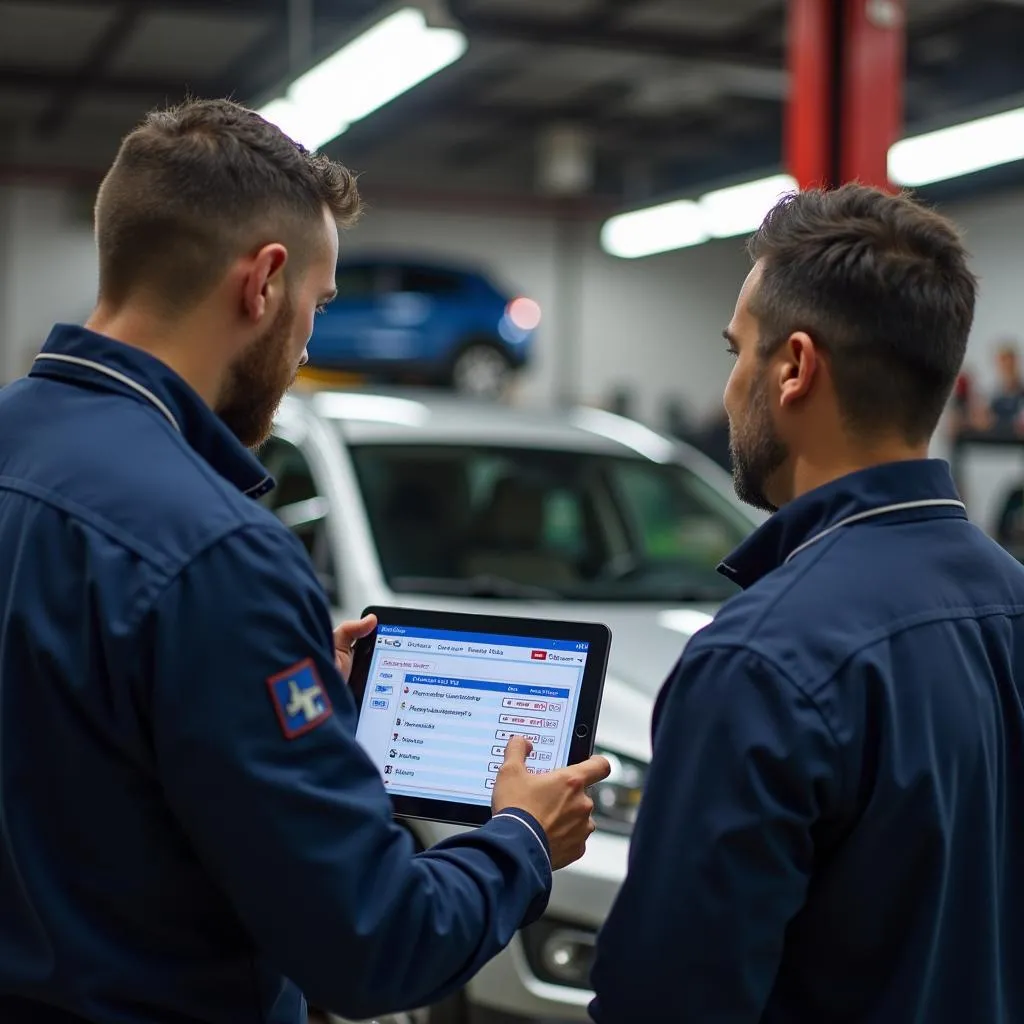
440 706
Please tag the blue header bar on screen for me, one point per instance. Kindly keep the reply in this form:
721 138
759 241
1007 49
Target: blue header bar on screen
480 684
496 639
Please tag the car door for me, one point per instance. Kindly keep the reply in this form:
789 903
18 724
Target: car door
300 504
429 303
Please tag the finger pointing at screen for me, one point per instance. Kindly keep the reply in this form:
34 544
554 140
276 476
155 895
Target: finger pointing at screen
558 799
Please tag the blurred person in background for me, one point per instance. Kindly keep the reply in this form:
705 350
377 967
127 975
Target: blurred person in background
833 823
712 439
189 830
1005 411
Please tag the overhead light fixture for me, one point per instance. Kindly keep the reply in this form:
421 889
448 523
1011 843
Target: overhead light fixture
674 225
958 150
740 209
723 213
387 60
919 160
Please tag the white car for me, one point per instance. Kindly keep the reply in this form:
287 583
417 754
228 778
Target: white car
432 502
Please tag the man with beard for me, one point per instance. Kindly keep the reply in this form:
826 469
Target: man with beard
189 830
833 824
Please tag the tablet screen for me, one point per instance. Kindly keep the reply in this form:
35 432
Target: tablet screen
440 706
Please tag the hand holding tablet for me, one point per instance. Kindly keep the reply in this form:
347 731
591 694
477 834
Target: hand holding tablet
442 695
557 800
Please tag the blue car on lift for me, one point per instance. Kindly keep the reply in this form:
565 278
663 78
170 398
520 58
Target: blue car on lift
400 319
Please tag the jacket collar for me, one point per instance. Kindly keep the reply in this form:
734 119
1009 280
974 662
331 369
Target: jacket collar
918 489
79 356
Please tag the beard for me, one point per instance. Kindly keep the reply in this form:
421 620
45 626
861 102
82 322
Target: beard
757 451
257 381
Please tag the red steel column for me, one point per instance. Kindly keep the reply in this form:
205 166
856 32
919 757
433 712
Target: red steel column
810 154
873 74
845 108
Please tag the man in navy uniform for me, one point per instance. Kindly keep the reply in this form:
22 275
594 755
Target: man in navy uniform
188 829
833 826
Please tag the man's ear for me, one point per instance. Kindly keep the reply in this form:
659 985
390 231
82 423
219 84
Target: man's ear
798 368
263 286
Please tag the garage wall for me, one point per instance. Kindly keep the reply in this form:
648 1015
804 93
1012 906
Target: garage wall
48 267
6 234
994 230
650 325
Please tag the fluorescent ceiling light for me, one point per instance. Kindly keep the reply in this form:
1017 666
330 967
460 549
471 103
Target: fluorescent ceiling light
672 225
387 60
959 149
740 209
735 210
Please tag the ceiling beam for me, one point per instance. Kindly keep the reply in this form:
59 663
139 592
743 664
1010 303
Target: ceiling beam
451 90
31 80
589 35
102 52
241 8
323 10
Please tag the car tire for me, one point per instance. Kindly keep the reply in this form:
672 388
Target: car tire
480 370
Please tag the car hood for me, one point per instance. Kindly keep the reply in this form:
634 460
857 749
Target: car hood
647 640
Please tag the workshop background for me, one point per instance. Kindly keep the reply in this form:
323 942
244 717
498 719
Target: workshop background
508 151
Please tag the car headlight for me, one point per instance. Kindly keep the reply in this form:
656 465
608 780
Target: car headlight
617 798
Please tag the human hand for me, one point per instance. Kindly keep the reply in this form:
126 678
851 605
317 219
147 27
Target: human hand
345 637
557 799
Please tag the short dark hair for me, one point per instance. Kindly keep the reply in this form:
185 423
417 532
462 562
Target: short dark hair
883 285
195 186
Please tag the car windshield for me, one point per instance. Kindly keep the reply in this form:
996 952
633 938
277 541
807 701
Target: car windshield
536 524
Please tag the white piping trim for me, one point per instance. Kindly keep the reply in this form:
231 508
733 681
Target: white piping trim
533 832
902 506
117 375
256 487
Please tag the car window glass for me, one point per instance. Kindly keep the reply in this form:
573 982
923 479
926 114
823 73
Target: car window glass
298 502
429 281
675 515
356 282
582 526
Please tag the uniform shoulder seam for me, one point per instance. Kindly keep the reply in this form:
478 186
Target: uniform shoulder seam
918 621
100 523
798 570
756 653
160 587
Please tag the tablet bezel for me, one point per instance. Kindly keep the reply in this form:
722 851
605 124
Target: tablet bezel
584 725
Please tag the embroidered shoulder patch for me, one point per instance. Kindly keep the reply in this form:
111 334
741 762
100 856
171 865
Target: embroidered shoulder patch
299 699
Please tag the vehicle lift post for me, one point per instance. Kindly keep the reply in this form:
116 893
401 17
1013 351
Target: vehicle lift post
846 61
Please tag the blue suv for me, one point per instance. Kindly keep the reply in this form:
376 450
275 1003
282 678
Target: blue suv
402 319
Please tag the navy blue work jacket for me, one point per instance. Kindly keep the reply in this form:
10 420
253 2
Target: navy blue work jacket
833 827
177 841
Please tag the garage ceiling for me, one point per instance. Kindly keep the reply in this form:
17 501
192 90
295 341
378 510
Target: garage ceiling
666 94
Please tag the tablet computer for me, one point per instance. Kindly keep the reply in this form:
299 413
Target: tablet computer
440 694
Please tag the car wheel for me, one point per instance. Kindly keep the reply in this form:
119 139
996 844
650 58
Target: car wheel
480 370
